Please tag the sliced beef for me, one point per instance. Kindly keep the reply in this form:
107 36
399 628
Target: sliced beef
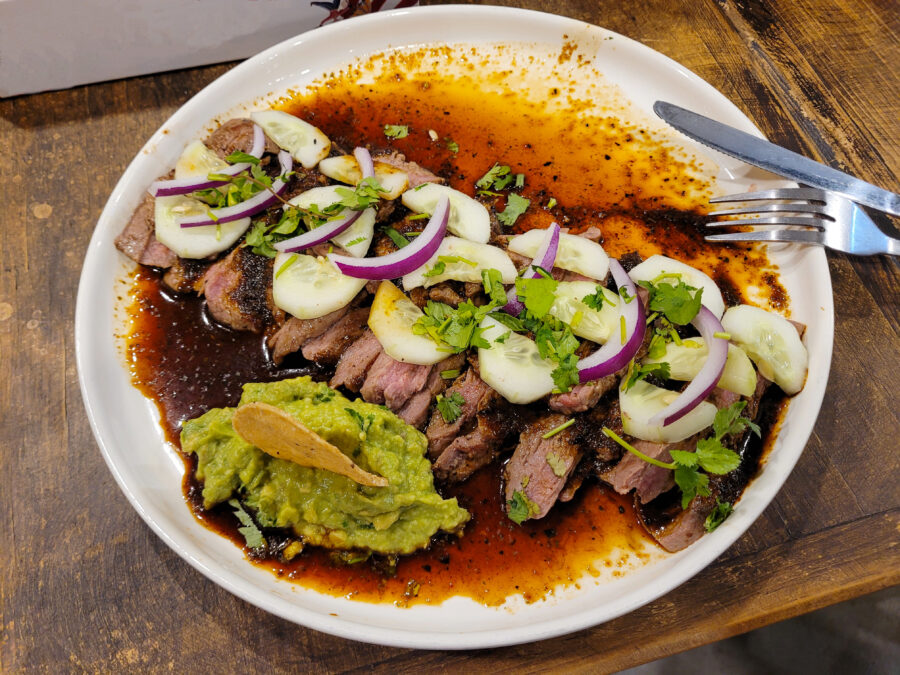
588 430
440 433
354 364
540 467
297 332
327 347
415 410
476 447
583 397
184 276
417 174
390 382
722 398
446 292
647 480
236 135
138 239
238 290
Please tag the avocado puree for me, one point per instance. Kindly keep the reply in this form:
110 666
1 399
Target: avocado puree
322 507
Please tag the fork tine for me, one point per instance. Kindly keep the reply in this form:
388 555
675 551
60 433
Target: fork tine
778 193
801 207
799 221
793 236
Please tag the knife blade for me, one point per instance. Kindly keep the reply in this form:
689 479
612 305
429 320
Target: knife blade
774 158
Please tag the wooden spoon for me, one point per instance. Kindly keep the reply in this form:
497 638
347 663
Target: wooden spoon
278 434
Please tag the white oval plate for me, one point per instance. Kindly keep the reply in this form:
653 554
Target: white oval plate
149 472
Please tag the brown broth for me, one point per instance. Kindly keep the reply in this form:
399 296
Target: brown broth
605 173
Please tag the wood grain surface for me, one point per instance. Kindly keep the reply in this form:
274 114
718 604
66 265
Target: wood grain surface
86 586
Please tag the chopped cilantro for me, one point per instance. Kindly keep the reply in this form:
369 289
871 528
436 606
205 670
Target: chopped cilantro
537 294
497 178
419 216
353 242
718 515
552 203
520 180
366 193
556 464
556 430
287 263
493 286
251 533
363 422
396 130
450 406
515 207
595 300
443 261
638 372
399 240
452 146
458 328
501 339
242 158
520 508
323 396
450 374
679 303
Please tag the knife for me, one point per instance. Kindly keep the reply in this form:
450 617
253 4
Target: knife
774 158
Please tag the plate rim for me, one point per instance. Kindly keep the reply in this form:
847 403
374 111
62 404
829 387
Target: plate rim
337 625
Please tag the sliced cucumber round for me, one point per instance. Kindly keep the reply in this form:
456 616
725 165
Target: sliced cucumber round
198 160
591 324
657 265
462 260
307 144
357 238
309 287
345 168
644 400
513 368
392 318
193 242
575 253
772 342
686 360
468 218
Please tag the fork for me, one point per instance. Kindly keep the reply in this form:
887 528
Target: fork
834 222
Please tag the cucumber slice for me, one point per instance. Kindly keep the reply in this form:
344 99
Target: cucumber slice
591 324
514 368
483 256
773 344
686 360
656 265
644 400
305 142
468 218
575 253
193 242
345 168
391 319
311 287
198 160
360 232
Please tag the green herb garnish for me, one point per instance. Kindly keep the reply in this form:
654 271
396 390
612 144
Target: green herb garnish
250 531
520 508
556 430
515 207
396 130
721 511
450 406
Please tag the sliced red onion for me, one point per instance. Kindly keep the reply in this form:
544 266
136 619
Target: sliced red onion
324 232
544 257
705 381
183 186
252 206
366 164
614 355
407 259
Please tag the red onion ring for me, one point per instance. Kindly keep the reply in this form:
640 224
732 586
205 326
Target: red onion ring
407 259
252 206
705 381
183 186
324 232
613 356
544 257
366 164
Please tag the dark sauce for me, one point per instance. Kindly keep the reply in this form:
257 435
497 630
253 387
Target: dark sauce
604 173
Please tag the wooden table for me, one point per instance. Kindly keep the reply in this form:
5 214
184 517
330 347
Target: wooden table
85 585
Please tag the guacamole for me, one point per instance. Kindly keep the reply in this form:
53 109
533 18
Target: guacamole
321 507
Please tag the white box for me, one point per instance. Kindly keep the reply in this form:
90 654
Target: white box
54 44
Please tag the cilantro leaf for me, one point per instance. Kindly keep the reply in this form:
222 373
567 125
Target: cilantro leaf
718 515
396 130
240 157
443 261
684 458
715 457
363 422
691 483
537 294
565 375
450 406
399 240
453 146
366 193
497 178
493 286
595 300
729 421
515 207
520 508
675 301
251 533
639 372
